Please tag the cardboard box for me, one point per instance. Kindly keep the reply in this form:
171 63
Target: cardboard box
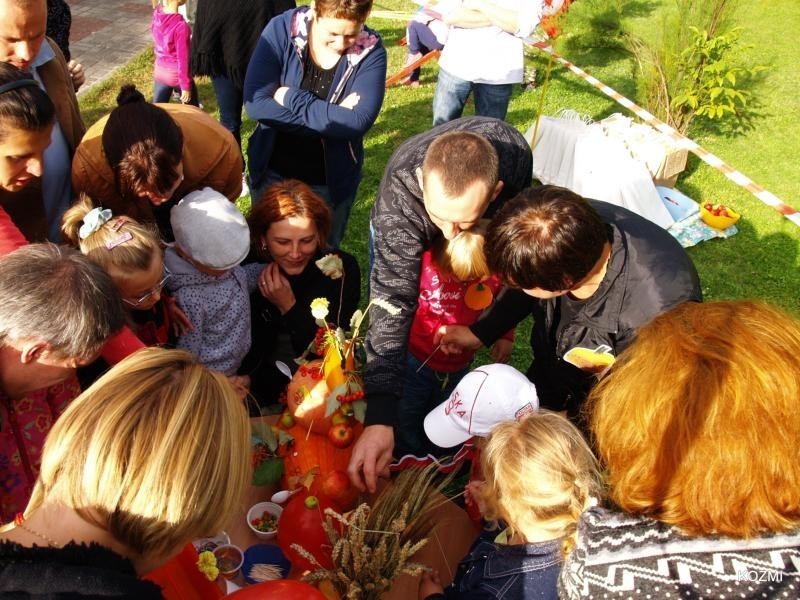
665 159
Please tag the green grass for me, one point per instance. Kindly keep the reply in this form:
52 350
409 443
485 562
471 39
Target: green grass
761 261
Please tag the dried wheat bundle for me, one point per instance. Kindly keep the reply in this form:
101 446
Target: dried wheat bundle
372 546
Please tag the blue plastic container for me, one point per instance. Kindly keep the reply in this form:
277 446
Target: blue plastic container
264 554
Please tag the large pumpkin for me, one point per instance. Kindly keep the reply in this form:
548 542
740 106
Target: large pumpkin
312 450
301 523
285 589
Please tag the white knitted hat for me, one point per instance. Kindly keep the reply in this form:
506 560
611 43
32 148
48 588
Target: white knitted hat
210 229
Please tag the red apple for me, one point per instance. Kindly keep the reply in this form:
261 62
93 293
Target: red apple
341 435
336 486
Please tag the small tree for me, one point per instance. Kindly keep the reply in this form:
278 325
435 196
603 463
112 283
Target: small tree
696 68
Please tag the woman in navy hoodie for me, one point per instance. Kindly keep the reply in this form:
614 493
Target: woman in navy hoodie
315 84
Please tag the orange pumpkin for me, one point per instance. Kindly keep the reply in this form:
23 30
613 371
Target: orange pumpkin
308 391
478 296
312 450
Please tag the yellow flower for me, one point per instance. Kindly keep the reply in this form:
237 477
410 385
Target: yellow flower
331 265
319 308
207 565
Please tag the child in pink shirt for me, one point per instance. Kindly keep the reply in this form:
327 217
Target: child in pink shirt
455 288
171 38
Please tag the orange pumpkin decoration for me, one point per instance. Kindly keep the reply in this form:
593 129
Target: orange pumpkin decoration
308 391
478 296
311 450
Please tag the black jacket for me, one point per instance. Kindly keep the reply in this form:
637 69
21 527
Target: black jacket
74 571
403 231
648 273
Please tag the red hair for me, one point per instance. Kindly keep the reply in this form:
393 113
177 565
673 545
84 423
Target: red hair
286 199
698 423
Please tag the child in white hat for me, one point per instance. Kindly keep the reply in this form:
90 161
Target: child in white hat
211 240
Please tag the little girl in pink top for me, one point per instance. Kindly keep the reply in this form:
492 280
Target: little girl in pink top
455 288
171 38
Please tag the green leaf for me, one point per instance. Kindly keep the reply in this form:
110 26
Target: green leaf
360 410
268 471
332 404
731 76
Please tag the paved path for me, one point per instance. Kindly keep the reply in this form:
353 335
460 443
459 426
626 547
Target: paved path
106 34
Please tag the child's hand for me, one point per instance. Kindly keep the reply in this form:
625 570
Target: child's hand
501 350
186 95
471 497
180 322
76 73
241 384
454 339
430 584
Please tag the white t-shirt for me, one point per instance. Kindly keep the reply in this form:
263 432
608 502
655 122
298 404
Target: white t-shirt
489 54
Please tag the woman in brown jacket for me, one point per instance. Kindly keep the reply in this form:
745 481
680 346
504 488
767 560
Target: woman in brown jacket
142 158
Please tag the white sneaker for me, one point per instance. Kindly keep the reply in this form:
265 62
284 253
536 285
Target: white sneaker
245 187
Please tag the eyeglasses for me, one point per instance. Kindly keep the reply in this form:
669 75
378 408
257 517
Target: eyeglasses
150 293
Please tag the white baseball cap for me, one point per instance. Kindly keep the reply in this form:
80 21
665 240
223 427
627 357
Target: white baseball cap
485 397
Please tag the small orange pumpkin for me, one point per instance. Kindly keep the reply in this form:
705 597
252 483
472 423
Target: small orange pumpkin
308 391
478 296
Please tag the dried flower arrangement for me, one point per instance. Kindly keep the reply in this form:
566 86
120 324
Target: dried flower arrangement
373 545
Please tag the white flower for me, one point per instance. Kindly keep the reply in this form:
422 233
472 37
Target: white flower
355 320
319 308
331 265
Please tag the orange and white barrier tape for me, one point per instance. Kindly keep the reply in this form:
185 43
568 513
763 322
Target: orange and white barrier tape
720 165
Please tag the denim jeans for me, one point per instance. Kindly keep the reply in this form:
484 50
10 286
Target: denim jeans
230 100
162 93
452 93
424 390
341 211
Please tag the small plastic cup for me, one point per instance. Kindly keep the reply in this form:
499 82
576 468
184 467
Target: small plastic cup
229 560
256 511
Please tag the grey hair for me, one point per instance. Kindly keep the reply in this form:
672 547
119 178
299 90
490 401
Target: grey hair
57 295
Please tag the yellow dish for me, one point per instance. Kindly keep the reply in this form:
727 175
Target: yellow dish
719 222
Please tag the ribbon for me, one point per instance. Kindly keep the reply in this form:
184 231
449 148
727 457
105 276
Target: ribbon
93 221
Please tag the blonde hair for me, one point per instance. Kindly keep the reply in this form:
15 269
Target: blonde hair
108 246
539 473
156 451
463 256
698 423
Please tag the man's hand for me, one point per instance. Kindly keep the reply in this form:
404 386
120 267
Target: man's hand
77 74
454 339
429 584
371 457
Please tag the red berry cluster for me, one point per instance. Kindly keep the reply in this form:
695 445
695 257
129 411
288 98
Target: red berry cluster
320 343
260 454
312 371
350 397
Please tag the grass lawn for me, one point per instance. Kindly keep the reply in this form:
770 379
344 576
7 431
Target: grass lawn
761 261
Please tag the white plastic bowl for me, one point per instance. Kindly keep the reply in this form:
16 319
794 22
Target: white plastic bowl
259 509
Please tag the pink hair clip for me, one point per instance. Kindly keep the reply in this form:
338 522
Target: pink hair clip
119 240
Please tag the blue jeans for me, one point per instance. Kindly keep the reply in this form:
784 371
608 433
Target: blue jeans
341 211
452 93
424 390
230 100
162 93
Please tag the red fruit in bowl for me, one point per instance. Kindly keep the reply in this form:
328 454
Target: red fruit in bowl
341 435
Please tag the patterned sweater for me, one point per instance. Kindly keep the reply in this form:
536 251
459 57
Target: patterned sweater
622 556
